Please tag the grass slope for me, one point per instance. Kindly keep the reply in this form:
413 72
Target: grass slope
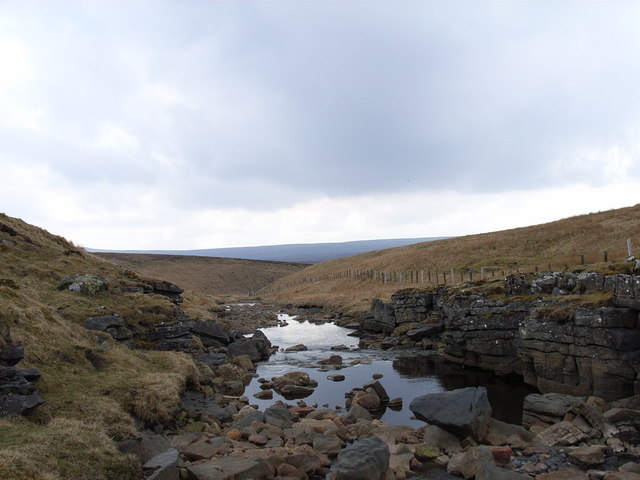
206 275
555 243
94 388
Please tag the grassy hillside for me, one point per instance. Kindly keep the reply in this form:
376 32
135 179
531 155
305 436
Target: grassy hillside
94 388
554 244
207 275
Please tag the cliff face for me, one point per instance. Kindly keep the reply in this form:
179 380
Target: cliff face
567 333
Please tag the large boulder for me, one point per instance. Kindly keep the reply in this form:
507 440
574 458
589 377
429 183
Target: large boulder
463 412
87 284
257 348
366 459
209 330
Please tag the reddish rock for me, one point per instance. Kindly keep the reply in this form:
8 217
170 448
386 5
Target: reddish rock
368 401
234 434
501 455
377 376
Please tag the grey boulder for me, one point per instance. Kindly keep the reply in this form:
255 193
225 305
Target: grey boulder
463 412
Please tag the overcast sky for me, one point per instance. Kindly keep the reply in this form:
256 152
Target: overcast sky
177 125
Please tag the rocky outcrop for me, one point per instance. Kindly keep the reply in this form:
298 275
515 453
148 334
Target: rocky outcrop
18 394
557 343
86 283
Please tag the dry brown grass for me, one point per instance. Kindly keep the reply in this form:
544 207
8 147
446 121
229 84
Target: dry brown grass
556 243
206 275
93 387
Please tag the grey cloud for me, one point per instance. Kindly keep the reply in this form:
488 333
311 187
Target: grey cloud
296 100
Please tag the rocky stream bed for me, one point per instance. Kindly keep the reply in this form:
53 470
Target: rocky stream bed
328 408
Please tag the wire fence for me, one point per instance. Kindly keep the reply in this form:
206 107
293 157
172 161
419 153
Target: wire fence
455 276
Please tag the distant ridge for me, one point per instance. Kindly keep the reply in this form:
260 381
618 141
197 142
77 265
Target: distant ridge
299 253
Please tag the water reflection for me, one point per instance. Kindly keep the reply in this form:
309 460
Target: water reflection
406 376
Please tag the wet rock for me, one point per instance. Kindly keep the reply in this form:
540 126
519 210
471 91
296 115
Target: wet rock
332 360
255 348
244 362
291 392
336 378
296 348
462 412
264 394
395 403
87 284
377 376
369 401
379 390
340 347
366 459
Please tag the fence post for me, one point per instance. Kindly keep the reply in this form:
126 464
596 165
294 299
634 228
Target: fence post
581 259
482 273
606 256
629 247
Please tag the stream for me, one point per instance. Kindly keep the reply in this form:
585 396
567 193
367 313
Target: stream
406 374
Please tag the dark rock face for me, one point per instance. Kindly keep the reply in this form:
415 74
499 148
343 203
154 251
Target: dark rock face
17 394
584 351
366 459
463 412
209 329
11 354
258 347
111 324
173 292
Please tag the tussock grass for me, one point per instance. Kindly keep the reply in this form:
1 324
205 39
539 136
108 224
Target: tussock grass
94 388
556 243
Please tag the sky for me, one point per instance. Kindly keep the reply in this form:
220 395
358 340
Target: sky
201 124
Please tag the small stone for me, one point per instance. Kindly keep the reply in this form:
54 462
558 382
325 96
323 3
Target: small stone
335 378
501 455
234 434
426 453
264 394
258 439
